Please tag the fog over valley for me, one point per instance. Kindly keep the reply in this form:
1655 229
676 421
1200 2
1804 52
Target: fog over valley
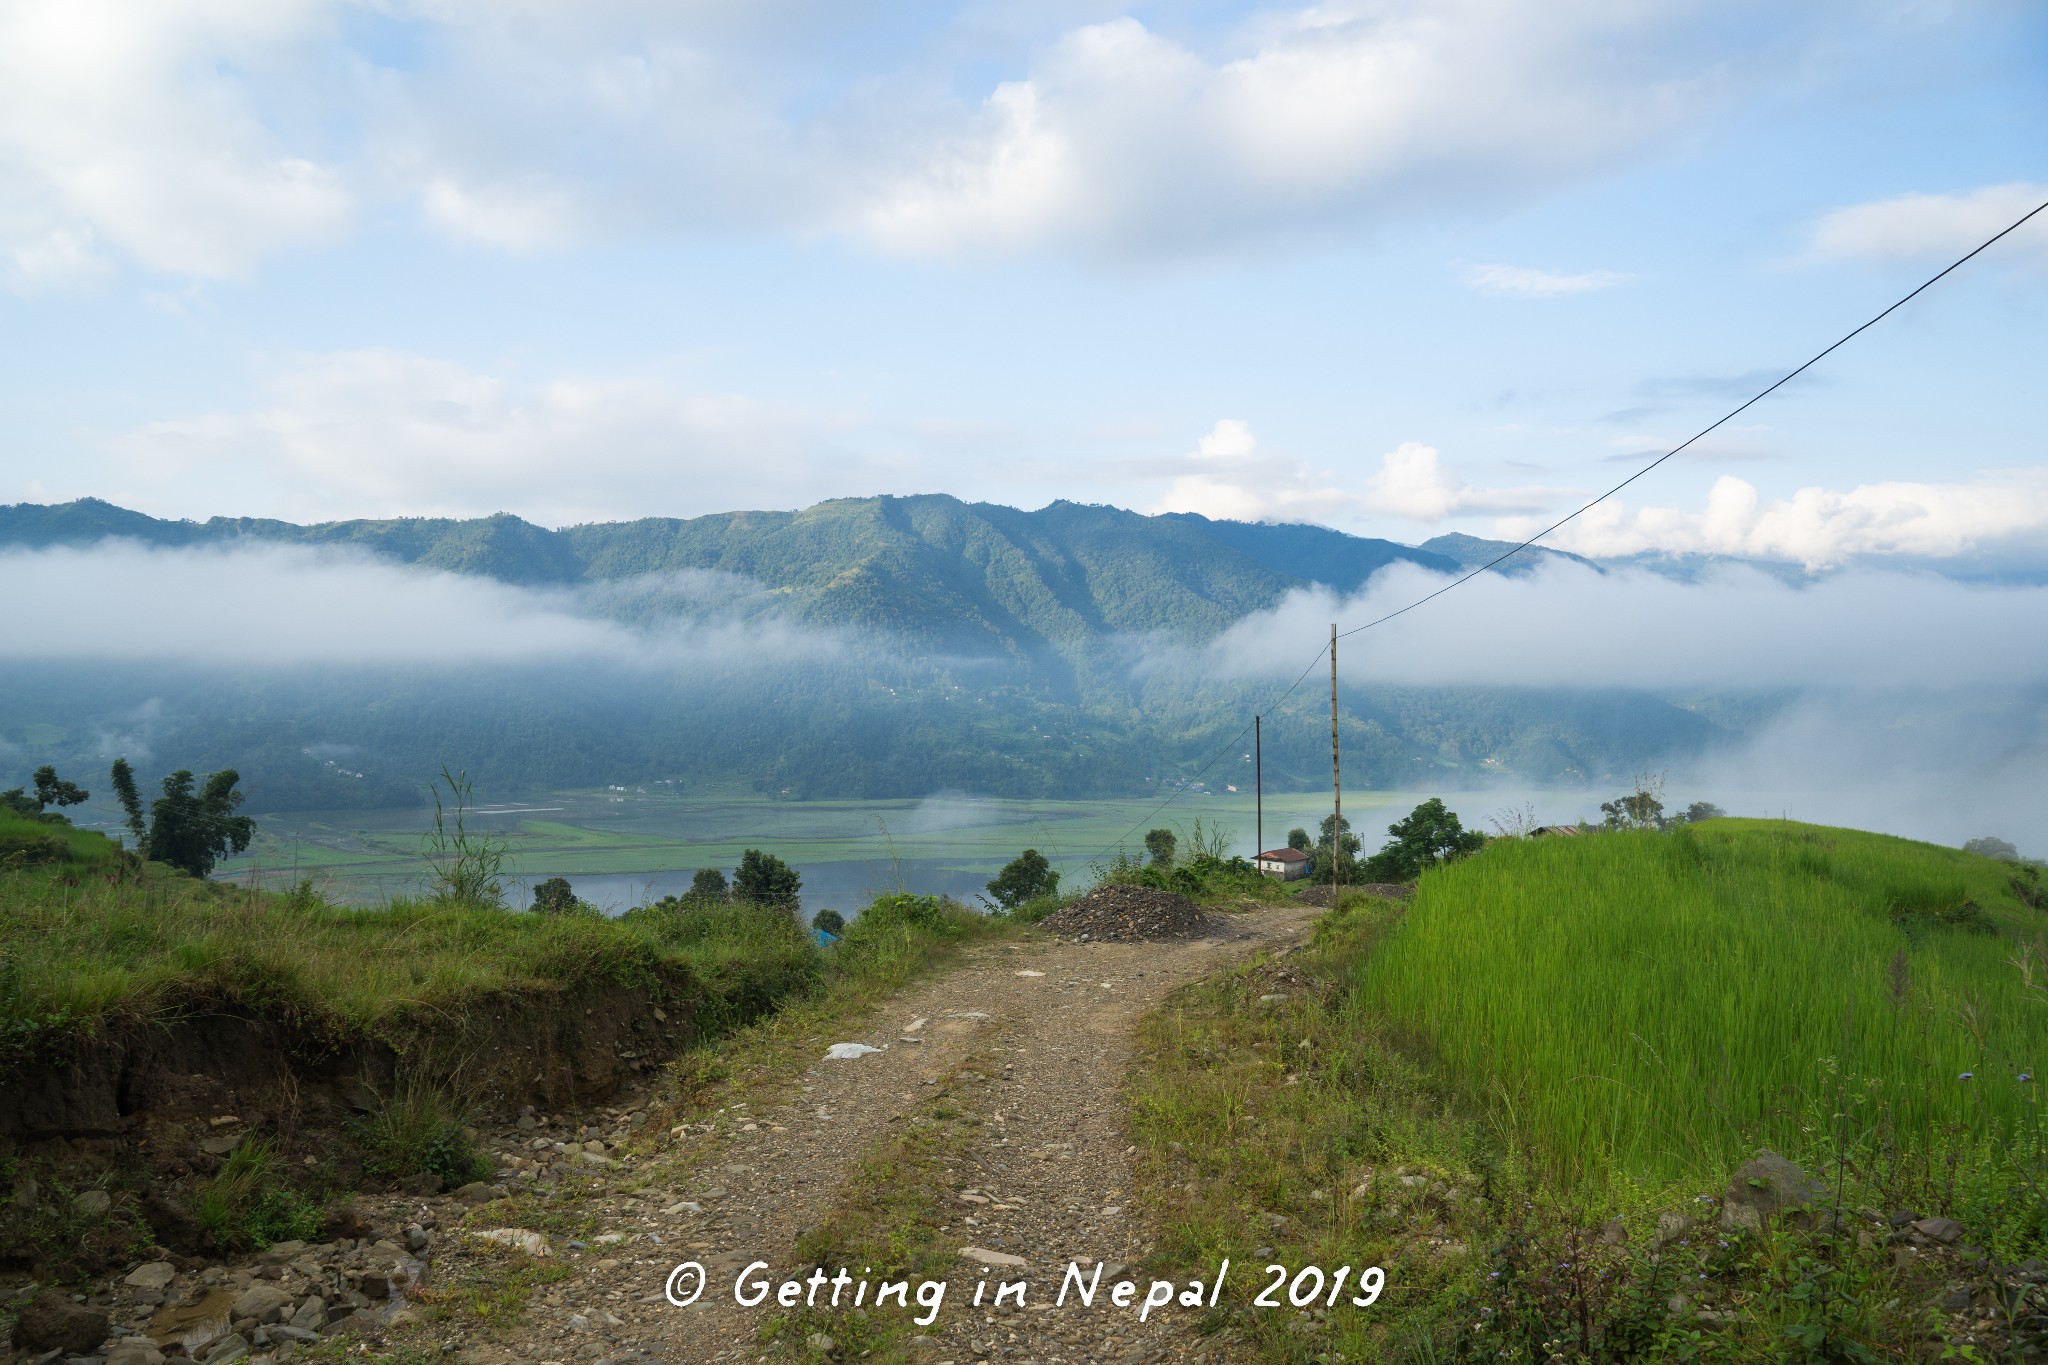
893 649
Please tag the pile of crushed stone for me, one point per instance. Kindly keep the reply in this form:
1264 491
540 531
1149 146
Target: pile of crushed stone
1321 895
1129 914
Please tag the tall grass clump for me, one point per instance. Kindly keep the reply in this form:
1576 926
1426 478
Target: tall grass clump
421 1128
1652 1007
247 1203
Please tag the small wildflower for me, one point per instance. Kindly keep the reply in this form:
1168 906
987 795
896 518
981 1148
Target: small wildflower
2026 1076
1967 1076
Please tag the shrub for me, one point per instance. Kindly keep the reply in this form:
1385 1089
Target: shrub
829 922
419 1128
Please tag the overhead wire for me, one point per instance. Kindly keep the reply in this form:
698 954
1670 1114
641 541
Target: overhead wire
1588 506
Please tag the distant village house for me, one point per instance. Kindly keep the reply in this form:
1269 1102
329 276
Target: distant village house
1288 864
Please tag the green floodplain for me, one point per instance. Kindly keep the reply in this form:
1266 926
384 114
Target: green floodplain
623 847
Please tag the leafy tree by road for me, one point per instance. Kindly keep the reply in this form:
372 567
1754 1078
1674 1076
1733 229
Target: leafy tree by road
1026 877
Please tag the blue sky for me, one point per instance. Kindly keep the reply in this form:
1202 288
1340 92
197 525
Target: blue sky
1397 267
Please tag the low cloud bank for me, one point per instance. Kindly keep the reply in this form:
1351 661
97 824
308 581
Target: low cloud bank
1567 626
295 605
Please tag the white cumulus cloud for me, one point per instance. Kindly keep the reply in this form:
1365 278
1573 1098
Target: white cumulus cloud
1230 475
197 138
1822 527
378 433
155 131
1914 227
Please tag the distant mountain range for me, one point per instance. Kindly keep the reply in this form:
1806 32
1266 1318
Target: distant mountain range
995 655
938 572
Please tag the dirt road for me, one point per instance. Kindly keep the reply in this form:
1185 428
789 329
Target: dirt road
1045 1033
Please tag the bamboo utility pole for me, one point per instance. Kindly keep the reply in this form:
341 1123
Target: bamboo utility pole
1336 779
1258 786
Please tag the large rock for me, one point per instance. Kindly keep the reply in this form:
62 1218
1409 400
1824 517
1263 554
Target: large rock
1766 1188
154 1276
263 1302
52 1322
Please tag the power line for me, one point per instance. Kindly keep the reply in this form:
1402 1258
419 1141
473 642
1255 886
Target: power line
1580 511
1718 422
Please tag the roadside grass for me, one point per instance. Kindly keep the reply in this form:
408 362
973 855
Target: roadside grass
1262 1100
1390 1095
81 954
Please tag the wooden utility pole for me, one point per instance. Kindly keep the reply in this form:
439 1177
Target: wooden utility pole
1258 786
1336 779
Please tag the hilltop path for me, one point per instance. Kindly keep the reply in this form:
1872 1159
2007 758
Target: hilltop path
1035 1037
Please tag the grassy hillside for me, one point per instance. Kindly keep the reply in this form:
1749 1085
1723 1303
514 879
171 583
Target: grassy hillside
95 941
1526 1094
1653 1005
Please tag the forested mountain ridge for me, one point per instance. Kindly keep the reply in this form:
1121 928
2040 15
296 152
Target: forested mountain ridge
934 570
1053 652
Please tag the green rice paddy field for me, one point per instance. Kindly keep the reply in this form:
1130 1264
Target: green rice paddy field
1651 1006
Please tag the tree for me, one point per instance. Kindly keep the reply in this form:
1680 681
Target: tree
554 897
192 831
709 885
1161 844
1297 839
1341 860
1642 808
1992 847
123 778
829 922
1027 877
1429 835
1701 810
50 791
764 879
